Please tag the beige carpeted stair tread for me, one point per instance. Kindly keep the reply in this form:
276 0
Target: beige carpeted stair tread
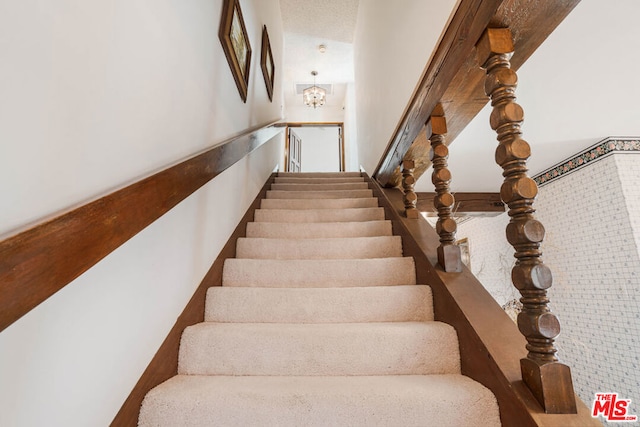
319 174
319 215
319 229
321 187
357 401
329 194
319 323
319 305
384 348
336 248
304 273
318 203
294 180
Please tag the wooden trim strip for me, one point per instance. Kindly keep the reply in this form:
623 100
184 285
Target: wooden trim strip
38 262
164 364
342 145
490 344
469 21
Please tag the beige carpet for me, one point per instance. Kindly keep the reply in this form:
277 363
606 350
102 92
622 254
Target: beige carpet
319 322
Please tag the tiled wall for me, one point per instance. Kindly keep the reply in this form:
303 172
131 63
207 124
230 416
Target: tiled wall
629 171
590 216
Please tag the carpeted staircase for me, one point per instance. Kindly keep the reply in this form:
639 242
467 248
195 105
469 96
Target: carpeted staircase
319 322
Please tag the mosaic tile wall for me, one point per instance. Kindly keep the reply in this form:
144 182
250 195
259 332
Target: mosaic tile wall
590 216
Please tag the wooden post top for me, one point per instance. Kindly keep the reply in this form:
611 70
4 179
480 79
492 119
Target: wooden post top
437 123
494 41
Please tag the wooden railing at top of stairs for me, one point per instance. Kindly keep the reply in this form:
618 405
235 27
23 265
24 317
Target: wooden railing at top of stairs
40 260
481 36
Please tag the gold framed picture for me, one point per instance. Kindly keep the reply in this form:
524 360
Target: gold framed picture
266 63
235 43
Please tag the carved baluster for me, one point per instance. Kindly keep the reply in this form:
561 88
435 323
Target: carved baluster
548 379
410 198
449 256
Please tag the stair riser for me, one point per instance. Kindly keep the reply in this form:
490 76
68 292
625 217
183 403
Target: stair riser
319 273
293 180
319 230
318 204
308 305
319 174
321 187
339 248
337 194
319 215
437 400
328 349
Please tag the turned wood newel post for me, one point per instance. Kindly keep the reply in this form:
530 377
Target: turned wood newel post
449 256
410 198
548 379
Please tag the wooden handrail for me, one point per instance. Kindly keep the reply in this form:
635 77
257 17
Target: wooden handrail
490 343
454 78
39 261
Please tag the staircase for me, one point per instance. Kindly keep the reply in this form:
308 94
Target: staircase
319 322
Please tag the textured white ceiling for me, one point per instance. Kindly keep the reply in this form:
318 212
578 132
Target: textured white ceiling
307 25
333 19
302 57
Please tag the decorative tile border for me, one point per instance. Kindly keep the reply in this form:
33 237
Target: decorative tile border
602 149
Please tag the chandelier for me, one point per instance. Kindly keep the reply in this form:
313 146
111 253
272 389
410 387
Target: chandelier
314 96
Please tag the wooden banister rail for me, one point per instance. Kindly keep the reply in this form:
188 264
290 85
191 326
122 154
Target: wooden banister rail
37 262
490 343
453 77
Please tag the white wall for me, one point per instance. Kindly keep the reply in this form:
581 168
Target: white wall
589 216
393 42
304 114
579 87
351 130
320 151
94 95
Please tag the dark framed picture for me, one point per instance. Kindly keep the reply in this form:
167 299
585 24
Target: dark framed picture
235 43
266 63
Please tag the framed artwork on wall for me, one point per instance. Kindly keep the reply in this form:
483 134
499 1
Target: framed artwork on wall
266 63
235 43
